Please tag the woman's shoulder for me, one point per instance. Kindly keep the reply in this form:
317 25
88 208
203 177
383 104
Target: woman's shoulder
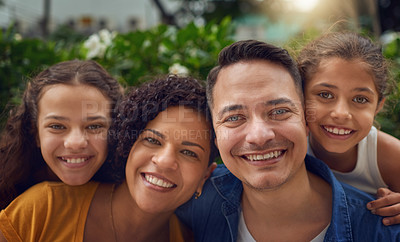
40 195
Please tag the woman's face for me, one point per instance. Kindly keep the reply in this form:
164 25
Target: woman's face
169 161
72 131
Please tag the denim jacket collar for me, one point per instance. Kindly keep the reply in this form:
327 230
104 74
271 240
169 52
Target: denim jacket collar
340 226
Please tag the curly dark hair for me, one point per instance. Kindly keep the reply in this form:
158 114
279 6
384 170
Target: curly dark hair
144 103
21 160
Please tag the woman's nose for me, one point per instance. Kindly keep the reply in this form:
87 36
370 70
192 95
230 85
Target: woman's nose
166 158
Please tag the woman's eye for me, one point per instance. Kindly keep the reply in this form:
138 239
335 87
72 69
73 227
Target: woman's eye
95 126
360 100
56 126
152 141
189 153
326 95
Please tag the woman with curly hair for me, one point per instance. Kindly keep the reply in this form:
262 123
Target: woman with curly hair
164 152
59 131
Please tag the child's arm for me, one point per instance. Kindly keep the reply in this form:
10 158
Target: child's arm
387 203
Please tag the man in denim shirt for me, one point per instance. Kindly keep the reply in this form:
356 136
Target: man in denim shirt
270 190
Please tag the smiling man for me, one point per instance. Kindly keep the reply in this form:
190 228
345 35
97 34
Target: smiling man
268 189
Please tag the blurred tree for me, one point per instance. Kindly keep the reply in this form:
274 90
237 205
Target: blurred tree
203 11
389 12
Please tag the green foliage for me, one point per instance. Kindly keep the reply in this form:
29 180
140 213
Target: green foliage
130 57
18 60
389 118
136 55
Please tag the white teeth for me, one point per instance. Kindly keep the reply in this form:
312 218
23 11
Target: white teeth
158 182
338 131
267 156
75 160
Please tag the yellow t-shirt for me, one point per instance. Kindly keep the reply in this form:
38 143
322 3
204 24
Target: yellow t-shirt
54 211
49 211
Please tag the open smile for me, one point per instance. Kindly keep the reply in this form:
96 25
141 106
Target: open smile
75 160
337 131
262 157
158 181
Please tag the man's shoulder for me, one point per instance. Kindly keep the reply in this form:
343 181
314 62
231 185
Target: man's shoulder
349 208
221 170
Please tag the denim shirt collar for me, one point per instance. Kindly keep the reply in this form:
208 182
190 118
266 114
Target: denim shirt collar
340 226
232 195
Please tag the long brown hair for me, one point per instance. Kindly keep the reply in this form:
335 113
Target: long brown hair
20 156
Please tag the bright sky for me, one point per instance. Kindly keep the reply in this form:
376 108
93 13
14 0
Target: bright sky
303 5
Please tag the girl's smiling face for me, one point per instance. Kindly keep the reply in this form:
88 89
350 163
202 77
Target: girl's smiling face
168 162
73 121
341 104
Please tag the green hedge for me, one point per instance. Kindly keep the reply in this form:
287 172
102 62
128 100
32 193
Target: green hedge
389 117
130 57
134 56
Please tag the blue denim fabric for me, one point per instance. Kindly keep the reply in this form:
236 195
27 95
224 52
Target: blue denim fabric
215 215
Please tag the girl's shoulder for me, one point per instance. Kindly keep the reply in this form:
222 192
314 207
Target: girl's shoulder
388 156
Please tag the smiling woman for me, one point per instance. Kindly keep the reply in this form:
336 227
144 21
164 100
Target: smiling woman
164 149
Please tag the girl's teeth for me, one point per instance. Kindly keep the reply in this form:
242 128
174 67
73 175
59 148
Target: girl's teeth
338 131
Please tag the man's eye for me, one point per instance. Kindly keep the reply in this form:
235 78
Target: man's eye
280 114
152 141
189 153
360 100
233 118
326 95
279 111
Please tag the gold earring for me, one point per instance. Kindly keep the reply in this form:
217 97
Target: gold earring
197 194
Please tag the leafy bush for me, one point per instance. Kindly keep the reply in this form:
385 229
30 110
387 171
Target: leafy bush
192 50
129 57
389 118
20 59
134 56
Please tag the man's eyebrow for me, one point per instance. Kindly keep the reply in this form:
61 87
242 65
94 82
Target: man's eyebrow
229 108
155 132
280 101
192 144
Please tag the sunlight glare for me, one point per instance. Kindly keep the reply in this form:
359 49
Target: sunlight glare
304 5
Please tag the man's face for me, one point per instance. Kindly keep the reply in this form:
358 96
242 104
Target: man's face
259 123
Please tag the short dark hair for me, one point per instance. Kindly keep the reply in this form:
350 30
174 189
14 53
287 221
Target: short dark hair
144 103
248 50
